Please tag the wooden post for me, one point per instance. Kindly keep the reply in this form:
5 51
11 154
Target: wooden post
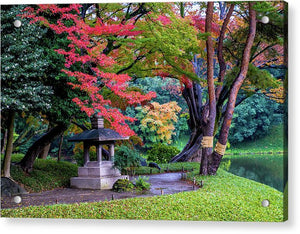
86 153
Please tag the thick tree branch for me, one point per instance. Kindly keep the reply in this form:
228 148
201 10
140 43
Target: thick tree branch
221 60
210 64
138 58
83 127
141 11
231 53
260 52
240 77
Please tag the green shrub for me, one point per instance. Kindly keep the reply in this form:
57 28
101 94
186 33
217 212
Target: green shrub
46 174
79 158
225 164
123 185
141 184
254 118
126 158
161 153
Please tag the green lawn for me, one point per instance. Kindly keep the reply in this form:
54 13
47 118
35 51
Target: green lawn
224 197
271 143
169 167
180 144
47 174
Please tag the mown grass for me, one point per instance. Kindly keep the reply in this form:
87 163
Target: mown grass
180 144
46 175
224 197
271 143
168 167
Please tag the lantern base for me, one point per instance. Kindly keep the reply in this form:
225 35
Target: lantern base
95 175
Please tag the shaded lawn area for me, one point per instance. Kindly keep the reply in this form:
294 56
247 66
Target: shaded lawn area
224 197
273 142
47 174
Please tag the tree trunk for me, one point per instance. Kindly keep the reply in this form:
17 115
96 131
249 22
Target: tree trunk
3 141
37 147
208 120
45 151
235 87
60 147
203 120
192 151
9 144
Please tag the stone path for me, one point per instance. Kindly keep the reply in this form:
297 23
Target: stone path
166 183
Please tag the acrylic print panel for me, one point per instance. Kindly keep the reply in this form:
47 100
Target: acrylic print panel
145 111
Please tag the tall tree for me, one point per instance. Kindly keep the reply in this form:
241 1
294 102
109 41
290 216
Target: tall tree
215 158
228 85
22 69
87 67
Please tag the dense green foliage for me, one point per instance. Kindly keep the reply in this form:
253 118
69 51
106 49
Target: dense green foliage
123 185
161 153
126 158
47 174
32 83
254 118
240 201
141 183
271 143
27 130
23 65
78 156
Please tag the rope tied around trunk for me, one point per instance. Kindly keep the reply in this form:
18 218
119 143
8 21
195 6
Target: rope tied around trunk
207 141
220 149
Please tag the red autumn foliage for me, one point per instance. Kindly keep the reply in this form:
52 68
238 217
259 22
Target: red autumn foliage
80 35
199 23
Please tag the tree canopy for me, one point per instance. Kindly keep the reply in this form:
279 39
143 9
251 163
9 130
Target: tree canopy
86 58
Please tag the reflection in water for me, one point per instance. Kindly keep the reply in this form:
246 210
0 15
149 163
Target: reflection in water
266 169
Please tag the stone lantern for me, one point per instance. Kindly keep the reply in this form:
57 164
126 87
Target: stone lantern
99 174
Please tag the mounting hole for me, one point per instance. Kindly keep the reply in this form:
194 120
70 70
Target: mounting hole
265 19
17 199
265 203
17 23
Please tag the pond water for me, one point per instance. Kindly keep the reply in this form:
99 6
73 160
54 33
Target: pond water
267 169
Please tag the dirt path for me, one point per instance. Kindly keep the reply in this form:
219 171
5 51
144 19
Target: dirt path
167 183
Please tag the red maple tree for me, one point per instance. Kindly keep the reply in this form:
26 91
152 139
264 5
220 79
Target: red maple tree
85 48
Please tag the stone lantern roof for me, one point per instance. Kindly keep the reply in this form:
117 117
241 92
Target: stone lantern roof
98 133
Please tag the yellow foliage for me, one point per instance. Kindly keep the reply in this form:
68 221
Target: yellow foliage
160 119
